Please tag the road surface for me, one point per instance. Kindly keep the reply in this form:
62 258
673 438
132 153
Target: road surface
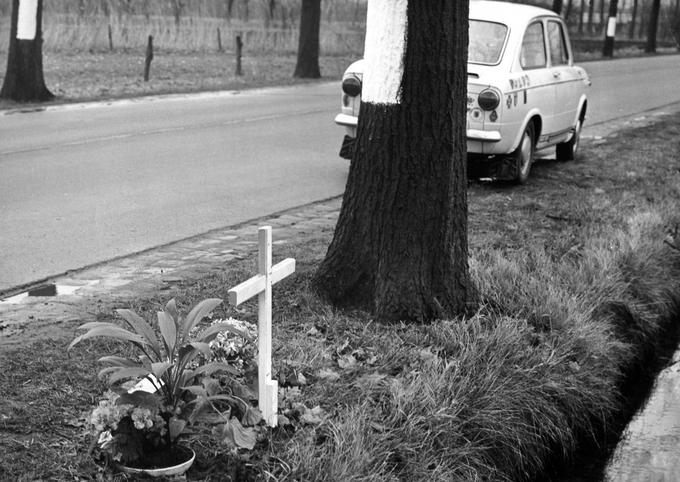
84 184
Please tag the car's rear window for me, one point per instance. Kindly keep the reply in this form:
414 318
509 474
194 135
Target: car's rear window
486 42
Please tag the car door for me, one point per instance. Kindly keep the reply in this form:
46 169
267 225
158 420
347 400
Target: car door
566 80
538 89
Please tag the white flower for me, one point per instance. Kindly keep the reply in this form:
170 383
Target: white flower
105 438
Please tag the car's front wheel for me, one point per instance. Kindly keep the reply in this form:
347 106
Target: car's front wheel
524 155
566 151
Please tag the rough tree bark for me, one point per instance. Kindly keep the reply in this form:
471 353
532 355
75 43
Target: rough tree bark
653 26
24 79
400 244
308 47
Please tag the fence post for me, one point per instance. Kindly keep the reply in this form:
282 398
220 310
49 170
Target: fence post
149 58
110 39
219 40
239 51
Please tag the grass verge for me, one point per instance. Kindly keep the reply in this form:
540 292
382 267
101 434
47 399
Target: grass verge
579 287
101 76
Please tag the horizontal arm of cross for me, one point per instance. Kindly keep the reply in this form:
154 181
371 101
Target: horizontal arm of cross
256 284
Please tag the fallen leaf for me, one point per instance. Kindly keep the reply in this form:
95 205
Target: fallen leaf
347 361
235 435
328 375
313 416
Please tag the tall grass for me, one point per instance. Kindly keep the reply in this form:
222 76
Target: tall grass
498 396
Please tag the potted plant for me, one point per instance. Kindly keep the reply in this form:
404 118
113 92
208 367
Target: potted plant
138 427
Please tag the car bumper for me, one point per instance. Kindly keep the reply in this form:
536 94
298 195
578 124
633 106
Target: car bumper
351 122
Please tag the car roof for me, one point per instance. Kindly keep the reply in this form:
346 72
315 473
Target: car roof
511 14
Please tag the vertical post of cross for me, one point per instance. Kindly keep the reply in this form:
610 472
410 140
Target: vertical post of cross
267 387
261 285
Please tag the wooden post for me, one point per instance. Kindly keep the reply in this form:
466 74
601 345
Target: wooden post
149 58
261 285
110 39
219 40
239 51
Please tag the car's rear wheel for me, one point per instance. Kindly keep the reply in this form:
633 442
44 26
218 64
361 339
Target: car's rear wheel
567 151
524 155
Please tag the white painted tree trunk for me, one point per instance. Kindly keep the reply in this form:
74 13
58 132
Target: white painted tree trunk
27 24
384 51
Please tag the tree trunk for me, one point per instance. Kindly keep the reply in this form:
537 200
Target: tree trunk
633 19
400 244
24 80
580 16
567 13
591 13
308 47
557 6
650 46
608 47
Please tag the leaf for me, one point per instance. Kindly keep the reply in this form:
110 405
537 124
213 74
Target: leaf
328 375
347 361
204 348
168 330
159 369
210 368
235 435
127 373
370 380
140 399
171 309
176 426
107 330
313 416
211 385
197 390
253 416
200 311
118 361
140 325
219 328
242 391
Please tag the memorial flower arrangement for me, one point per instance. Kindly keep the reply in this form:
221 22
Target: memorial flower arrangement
161 390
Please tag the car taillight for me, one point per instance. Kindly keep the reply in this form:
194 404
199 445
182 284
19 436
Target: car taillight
488 99
351 85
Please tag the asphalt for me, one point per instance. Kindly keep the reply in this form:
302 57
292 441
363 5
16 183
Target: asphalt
81 293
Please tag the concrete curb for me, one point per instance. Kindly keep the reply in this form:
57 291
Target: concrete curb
153 270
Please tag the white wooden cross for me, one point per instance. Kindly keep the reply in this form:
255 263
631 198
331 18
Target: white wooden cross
261 285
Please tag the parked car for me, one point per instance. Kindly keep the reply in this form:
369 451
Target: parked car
524 91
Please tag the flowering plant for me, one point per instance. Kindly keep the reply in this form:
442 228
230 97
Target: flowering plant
173 373
129 425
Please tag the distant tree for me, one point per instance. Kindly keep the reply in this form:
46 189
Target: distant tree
400 243
177 10
557 6
608 47
308 45
633 20
653 26
24 80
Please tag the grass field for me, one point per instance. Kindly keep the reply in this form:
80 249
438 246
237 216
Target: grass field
578 283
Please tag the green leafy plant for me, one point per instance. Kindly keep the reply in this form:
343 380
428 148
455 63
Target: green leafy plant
173 361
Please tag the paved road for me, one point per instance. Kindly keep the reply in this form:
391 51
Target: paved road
80 185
